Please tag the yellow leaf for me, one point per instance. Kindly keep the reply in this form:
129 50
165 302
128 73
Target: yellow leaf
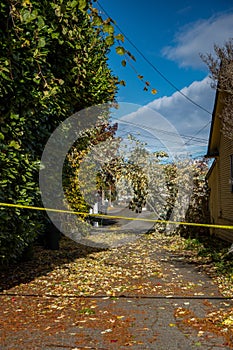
26 2
172 325
122 82
120 37
154 91
120 50
228 321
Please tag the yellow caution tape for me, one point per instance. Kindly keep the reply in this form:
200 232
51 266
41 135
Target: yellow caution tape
228 227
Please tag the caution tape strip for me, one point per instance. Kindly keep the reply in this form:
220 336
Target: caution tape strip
20 206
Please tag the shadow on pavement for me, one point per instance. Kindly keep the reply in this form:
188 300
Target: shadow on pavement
42 262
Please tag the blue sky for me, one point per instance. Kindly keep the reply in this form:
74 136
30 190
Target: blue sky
171 34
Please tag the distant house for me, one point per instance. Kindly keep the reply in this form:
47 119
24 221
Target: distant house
220 175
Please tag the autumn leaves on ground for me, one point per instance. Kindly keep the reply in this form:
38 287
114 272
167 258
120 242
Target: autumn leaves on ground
71 295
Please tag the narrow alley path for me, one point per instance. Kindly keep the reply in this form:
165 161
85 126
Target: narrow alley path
144 295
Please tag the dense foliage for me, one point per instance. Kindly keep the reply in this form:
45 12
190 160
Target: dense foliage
52 63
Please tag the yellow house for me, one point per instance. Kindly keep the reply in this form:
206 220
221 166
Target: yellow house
220 175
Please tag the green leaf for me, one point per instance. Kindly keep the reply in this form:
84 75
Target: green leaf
40 22
97 20
109 40
82 5
41 42
14 144
55 35
74 3
6 77
2 137
14 116
28 16
108 28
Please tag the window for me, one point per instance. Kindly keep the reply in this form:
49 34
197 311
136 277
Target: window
231 173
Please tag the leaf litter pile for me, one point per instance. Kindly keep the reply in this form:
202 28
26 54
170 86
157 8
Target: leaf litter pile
58 292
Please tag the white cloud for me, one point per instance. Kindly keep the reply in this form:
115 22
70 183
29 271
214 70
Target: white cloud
186 117
199 37
148 126
171 123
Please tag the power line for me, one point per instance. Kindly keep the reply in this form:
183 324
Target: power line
152 65
169 133
202 142
190 138
198 132
152 137
158 143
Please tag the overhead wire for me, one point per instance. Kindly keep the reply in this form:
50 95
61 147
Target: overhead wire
151 137
161 139
141 126
198 132
190 138
152 65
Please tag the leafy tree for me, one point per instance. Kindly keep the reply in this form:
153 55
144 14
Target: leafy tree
174 191
53 63
79 190
198 209
221 71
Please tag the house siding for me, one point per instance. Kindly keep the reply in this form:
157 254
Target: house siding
214 199
221 196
